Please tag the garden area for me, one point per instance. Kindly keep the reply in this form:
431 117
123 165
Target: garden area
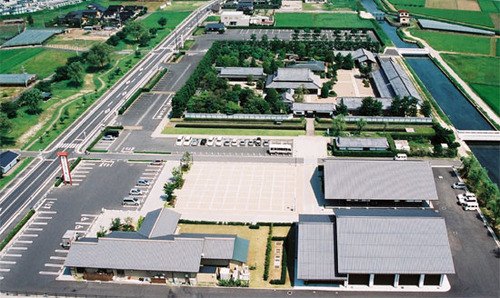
486 82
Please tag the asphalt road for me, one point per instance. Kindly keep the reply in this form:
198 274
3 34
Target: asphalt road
94 119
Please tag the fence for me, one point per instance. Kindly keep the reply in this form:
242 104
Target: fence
238 116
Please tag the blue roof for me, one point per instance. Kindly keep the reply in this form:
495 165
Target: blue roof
240 252
7 157
214 26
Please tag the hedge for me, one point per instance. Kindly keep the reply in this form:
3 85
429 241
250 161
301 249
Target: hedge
268 253
130 101
282 279
265 121
16 229
337 152
241 126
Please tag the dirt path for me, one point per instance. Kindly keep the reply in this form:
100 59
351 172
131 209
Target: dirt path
47 114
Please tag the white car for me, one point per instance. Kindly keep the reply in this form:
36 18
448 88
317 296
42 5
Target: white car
400 156
470 206
210 141
187 141
135 192
218 142
234 142
467 197
108 138
178 142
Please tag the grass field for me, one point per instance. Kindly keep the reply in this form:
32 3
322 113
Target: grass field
463 16
408 2
454 42
62 40
39 61
324 20
232 132
487 6
485 82
498 47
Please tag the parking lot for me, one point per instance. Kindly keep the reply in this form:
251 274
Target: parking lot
240 190
474 252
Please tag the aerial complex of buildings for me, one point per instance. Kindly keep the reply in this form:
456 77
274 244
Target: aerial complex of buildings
258 145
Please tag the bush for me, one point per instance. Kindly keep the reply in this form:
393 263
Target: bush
234 283
254 227
268 253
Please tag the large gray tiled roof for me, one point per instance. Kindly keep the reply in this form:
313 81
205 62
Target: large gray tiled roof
362 142
316 251
241 71
15 78
159 223
382 83
317 107
392 242
312 65
181 255
294 78
379 180
398 79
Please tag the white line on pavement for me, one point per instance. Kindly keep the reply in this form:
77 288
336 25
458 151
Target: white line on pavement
47 212
57 258
54 265
4 270
48 273
29 235
24 241
13 255
61 251
17 248
44 217
34 229
8 262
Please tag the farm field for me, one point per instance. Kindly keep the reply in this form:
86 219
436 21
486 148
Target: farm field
454 42
41 62
485 82
324 20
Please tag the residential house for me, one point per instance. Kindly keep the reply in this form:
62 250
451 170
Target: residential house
404 17
234 18
156 254
294 78
8 160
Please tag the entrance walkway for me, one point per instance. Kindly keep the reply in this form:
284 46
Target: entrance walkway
310 127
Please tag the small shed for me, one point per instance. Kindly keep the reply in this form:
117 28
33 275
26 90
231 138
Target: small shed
8 160
22 80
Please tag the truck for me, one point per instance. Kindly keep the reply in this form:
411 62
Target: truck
68 237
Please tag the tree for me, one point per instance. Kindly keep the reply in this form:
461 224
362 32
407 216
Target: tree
144 39
113 40
396 107
5 125
361 123
9 108
338 124
177 176
186 161
61 73
115 224
135 29
99 54
31 99
299 94
365 69
347 62
342 109
410 106
162 22
76 73
426 108
30 20
324 91
371 107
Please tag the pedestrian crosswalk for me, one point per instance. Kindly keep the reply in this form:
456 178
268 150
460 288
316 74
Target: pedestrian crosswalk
68 145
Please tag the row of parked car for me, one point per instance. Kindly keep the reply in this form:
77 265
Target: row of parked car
467 200
220 141
132 200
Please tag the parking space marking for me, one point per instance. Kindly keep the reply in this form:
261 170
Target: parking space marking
61 251
34 229
48 273
57 258
24 241
13 255
4 270
7 262
54 265
83 223
127 149
44 217
39 223
18 248
47 212
29 235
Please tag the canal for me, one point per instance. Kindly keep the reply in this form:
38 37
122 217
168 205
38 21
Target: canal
462 114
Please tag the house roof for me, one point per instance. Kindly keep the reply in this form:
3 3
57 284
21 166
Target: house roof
16 78
382 84
392 241
7 157
316 107
181 255
398 79
354 103
293 78
379 180
312 65
362 142
316 250
360 55
214 26
241 71
159 222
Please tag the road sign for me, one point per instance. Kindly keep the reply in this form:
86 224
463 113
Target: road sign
63 159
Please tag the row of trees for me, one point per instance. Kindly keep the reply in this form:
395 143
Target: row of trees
400 107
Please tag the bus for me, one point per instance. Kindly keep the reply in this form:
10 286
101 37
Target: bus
280 148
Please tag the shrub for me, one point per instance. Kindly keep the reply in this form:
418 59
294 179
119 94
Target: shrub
268 253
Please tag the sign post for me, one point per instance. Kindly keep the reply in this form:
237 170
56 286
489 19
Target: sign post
66 174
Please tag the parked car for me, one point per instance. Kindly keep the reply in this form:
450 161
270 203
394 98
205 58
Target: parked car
143 182
108 138
258 141
265 142
250 142
234 142
470 206
218 142
203 142
187 141
114 133
195 142
178 142
459 185
242 142
135 192
210 141
466 197
227 142
400 156
131 201
156 162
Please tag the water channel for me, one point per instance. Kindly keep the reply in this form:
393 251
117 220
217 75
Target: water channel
462 114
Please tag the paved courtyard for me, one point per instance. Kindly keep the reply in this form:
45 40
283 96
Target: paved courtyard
249 191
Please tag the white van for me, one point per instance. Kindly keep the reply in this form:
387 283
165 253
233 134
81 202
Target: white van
400 156
470 206
130 201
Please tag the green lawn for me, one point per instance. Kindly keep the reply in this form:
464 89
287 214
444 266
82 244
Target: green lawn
324 20
233 132
21 165
463 16
485 82
454 42
173 19
487 6
62 40
498 47
408 2
39 61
